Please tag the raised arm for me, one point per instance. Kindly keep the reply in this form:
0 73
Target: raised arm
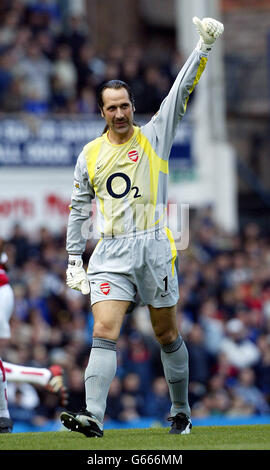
163 125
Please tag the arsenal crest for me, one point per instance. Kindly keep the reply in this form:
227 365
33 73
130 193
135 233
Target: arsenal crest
105 288
133 155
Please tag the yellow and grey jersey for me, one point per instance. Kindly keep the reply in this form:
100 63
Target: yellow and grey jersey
129 181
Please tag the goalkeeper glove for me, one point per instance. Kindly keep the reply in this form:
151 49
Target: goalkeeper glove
76 276
209 30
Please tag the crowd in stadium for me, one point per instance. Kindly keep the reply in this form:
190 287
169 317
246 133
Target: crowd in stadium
47 65
224 317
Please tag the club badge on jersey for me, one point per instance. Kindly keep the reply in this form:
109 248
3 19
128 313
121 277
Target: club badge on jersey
105 288
133 155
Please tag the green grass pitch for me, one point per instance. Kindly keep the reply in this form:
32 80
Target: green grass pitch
254 437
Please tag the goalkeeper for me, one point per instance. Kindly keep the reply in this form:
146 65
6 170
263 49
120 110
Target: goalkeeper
126 171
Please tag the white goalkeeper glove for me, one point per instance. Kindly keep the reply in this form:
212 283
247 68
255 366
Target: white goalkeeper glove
76 276
209 30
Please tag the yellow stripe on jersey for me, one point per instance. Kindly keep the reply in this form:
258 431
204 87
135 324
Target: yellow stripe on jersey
156 164
161 217
197 78
173 247
91 152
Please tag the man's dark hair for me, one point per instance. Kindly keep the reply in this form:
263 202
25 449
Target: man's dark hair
116 85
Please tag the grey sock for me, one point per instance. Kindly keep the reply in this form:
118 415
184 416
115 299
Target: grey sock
99 374
174 357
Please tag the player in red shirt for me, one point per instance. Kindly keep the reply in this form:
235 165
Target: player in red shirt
51 378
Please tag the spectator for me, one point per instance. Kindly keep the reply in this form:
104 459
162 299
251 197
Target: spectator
23 400
22 39
262 369
138 359
198 363
114 405
65 71
240 408
129 410
212 404
211 322
133 386
225 369
86 72
75 34
9 28
36 70
12 100
246 389
240 351
112 70
206 241
153 93
46 42
63 80
75 387
157 401
87 101
21 243
6 71
132 74
240 272
42 15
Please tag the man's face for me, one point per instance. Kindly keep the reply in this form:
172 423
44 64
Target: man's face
118 111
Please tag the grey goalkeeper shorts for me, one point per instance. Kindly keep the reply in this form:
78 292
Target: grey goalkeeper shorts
127 266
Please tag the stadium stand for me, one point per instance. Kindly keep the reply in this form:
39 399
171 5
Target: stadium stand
48 66
224 316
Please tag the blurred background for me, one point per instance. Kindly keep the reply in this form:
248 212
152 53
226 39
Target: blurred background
53 56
